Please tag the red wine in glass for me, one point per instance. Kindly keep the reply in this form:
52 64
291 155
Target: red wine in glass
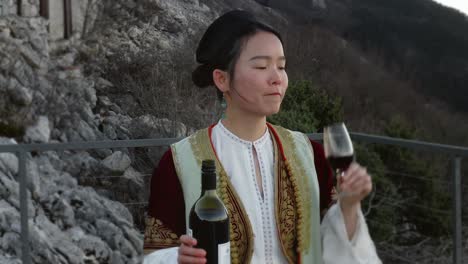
338 147
340 163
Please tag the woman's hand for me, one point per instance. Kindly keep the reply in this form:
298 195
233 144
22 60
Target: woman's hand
354 185
187 253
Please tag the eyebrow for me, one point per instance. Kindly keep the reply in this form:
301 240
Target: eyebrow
263 57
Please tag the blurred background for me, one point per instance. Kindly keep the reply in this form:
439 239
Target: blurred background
93 70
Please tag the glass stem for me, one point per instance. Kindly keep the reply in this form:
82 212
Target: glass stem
338 173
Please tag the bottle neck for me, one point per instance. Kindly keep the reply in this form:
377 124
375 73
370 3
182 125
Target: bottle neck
208 180
210 192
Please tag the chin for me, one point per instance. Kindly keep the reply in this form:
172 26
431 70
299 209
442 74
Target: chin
270 112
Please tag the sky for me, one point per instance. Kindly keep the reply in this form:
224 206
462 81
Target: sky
461 5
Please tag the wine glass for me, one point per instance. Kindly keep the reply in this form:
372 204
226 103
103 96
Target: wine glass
339 149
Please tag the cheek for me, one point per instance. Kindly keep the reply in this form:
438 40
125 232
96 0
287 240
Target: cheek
257 84
285 82
250 83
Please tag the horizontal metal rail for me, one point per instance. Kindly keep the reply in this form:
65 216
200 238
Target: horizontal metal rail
412 144
85 145
406 143
132 143
22 149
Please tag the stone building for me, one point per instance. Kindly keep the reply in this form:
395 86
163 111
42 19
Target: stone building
66 18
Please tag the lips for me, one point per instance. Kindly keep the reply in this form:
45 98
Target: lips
279 94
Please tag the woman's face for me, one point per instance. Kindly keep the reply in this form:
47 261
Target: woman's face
260 80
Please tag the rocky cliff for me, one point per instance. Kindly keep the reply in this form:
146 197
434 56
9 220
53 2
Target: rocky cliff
46 98
85 88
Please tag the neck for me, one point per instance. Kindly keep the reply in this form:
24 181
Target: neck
246 126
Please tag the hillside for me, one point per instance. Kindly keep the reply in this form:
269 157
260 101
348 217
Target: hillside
424 42
387 59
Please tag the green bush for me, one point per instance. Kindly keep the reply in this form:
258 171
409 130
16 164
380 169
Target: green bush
307 108
420 179
379 206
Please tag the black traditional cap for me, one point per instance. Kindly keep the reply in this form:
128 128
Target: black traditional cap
217 46
222 33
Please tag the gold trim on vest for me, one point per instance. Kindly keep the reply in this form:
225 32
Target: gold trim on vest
285 209
158 236
300 184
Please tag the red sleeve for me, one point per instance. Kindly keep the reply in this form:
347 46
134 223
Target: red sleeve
324 175
166 201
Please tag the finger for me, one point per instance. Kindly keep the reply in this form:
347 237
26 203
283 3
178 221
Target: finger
356 174
351 169
188 259
367 189
356 186
358 182
360 189
188 240
191 251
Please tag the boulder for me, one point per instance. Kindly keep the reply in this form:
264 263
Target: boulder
39 132
118 162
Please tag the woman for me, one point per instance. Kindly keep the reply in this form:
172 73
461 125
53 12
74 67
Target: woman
275 183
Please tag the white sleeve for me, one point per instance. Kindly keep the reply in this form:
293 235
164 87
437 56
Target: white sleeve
337 248
162 256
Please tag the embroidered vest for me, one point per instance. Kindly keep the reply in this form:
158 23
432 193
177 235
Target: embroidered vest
297 205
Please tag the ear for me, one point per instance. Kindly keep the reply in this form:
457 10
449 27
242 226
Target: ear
221 80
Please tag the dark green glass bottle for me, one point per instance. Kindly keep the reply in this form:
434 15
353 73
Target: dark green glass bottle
209 221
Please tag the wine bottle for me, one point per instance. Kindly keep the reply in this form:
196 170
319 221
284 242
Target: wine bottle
209 221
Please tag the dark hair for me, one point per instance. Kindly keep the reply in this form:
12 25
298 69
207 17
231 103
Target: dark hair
221 45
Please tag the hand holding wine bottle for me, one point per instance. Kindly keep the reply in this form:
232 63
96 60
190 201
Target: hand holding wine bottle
188 254
353 181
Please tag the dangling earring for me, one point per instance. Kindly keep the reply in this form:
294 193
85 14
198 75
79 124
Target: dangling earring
223 106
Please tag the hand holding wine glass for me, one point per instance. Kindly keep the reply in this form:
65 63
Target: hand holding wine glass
353 181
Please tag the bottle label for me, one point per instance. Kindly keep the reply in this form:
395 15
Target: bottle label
189 232
224 253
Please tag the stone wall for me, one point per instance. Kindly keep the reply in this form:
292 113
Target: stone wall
83 14
30 8
8 7
56 19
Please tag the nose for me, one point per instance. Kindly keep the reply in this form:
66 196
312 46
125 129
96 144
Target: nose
276 77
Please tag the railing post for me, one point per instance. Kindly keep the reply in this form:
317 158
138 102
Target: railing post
25 254
456 212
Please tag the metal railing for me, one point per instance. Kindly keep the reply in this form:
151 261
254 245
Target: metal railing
21 150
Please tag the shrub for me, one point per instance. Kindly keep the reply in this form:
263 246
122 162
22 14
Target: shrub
307 108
